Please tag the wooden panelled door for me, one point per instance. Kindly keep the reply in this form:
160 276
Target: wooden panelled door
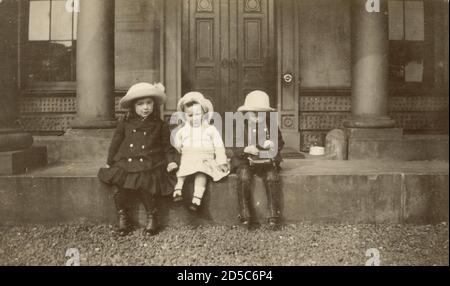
228 50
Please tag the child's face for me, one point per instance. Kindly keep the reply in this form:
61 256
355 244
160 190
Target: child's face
144 107
194 114
253 117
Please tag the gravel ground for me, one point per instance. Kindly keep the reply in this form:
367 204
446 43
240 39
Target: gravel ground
295 244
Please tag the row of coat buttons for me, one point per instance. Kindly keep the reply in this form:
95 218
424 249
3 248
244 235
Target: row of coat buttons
131 160
254 130
134 131
132 145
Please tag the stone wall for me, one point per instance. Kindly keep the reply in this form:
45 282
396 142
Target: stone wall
325 73
322 110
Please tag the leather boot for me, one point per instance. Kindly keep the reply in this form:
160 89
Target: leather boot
124 225
124 222
149 202
243 192
152 224
273 202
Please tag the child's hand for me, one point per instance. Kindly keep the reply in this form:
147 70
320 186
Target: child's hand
268 144
251 150
172 166
224 168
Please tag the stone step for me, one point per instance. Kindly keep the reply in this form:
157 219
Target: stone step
404 148
316 191
77 146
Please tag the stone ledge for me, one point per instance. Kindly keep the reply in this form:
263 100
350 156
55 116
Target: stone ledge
317 191
22 161
406 148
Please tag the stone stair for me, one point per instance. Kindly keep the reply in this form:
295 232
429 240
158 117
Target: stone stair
313 190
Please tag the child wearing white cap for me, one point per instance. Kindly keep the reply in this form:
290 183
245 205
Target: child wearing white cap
201 147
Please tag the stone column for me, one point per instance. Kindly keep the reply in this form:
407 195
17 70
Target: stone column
95 65
16 153
370 66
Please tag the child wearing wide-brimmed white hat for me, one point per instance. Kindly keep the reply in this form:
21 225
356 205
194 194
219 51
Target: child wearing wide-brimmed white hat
140 155
248 160
201 147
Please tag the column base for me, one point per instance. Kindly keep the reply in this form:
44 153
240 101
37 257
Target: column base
79 123
14 139
19 162
368 121
374 143
85 145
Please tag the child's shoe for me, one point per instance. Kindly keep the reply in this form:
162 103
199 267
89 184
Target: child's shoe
195 204
124 226
177 196
193 207
246 223
274 223
152 225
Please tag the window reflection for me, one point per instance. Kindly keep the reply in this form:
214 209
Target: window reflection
61 61
61 21
407 41
39 21
38 61
49 53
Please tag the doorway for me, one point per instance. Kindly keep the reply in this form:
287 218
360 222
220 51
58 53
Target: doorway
228 50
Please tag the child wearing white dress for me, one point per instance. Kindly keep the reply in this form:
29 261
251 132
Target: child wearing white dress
201 147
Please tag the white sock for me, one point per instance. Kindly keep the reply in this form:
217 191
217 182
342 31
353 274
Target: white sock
179 186
196 201
198 195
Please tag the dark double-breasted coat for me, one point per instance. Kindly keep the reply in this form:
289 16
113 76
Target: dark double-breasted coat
139 153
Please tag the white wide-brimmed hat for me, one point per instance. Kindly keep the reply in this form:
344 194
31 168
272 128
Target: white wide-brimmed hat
257 100
196 97
144 89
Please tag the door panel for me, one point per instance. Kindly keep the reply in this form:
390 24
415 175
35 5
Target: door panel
256 61
201 48
228 49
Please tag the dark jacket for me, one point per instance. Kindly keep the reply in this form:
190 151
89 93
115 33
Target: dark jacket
240 158
139 145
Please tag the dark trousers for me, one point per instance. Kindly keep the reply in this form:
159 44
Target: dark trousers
271 178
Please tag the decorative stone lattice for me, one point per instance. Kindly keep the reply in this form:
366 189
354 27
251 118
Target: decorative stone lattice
318 113
398 103
324 110
47 122
322 121
325 103
47 104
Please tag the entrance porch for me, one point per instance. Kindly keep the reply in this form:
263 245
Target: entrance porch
392 180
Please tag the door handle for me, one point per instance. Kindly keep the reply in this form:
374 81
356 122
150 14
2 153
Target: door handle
224 63
288 78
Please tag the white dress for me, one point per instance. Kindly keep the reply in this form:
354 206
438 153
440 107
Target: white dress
202 150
